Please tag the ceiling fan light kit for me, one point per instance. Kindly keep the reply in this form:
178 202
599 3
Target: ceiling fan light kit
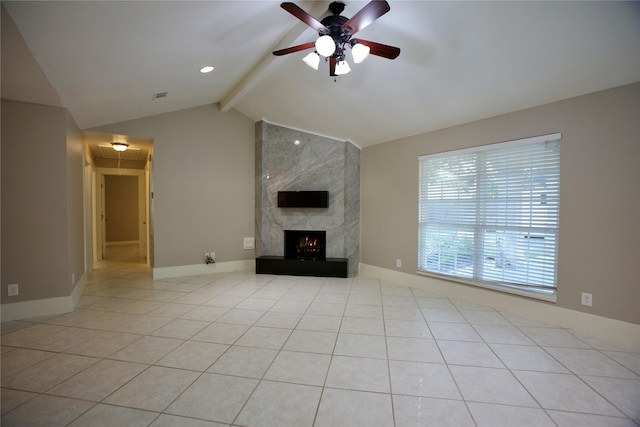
334 36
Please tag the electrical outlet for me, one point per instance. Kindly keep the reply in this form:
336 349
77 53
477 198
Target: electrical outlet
13 290
398 263
213 256
586 299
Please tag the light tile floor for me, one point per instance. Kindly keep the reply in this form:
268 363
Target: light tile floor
255 350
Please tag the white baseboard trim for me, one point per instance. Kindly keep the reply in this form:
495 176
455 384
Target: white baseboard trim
600 327
36 308
199 269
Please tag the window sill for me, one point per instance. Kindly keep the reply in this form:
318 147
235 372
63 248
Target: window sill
548 297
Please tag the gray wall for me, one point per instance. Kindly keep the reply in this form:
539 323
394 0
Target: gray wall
203 183
316 164
599 244
42 209
121 208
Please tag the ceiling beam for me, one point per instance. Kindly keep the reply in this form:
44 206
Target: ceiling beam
260 71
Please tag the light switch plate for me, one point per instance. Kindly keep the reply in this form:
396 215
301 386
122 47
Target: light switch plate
249 243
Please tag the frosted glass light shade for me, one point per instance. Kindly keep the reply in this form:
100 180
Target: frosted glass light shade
360 52
342 67
325 45
120 146
312 60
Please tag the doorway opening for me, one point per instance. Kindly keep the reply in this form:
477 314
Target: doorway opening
121 203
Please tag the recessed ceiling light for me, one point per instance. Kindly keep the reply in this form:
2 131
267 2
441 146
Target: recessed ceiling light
296 142
207 69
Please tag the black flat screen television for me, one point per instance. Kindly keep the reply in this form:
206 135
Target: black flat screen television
303 199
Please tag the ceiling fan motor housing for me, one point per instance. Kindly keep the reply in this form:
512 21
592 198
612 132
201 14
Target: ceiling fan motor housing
334 23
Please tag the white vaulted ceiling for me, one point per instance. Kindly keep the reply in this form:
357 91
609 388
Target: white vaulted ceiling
460 61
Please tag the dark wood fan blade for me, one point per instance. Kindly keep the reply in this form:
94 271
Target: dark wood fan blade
293 49
332 66
296 11
380 49
366 16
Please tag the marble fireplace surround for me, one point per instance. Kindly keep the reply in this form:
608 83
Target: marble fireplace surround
317 163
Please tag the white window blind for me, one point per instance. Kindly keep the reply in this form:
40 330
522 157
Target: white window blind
489 215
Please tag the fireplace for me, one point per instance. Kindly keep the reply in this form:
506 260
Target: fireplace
305 244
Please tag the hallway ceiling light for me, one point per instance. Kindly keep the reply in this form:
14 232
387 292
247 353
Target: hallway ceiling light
120 146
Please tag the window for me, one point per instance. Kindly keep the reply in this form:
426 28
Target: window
489 215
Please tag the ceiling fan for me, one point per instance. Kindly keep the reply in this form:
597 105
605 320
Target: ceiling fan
335 35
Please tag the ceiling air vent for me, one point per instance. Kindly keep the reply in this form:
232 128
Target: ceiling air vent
159 95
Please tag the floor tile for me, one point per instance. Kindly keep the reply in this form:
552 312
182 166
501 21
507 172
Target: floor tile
412 411
565 393
280 404
491 385
147 349
193 355
104 344
326 308
316 322
114 416
454 331
553 337
221 333
154 389
238 316
21 358
435 303
422 379
315 351
623 393
491 415
311 341
265 337
244 362
41 376
291 306
46 411
527 358
502 334
484 317
443 315
300 368
357 373
279 320
30 334
406 328
98 381
469 354
572 419
64 339
205 313
214 397
402 313
180 328
363 310
172 310
174 420
354 409
628 360
361 346
362 325
413 349
11 399
590 362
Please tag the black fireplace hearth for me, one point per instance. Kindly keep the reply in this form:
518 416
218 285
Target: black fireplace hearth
305 254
